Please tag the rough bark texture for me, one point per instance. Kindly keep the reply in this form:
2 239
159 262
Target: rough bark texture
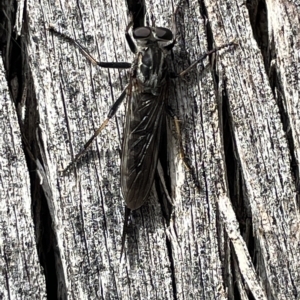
235 238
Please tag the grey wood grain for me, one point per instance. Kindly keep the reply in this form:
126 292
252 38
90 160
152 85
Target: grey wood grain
235 237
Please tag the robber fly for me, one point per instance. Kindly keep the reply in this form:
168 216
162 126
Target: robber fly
147 96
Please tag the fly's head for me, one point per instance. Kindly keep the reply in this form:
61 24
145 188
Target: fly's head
153 45
153 37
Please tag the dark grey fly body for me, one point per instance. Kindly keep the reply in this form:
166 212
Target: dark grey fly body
147 96
146 107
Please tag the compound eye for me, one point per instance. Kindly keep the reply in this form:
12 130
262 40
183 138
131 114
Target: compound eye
141 33
163 33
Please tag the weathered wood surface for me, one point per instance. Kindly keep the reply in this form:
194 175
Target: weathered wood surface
21 273
236 238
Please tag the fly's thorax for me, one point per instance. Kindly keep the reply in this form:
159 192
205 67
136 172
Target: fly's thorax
151 69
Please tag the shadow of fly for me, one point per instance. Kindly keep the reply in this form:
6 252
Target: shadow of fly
147 95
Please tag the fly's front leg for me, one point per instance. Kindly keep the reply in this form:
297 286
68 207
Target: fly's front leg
115 65
111 113
174 31
129 39
137 10
202 57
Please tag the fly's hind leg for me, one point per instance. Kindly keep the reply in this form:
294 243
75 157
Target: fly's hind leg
125 227
111 113
187 165
178 132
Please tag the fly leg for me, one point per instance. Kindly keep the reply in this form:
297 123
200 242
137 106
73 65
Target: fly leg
160 173
115 106
129 39
125 225
199 60
174 30
181 74
178 132
115 65
137 11
111 113
187 165
203 56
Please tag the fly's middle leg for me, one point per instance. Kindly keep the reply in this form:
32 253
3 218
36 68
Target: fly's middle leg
115 106
111 113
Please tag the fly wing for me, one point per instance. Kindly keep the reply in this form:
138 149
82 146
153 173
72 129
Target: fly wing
144 116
